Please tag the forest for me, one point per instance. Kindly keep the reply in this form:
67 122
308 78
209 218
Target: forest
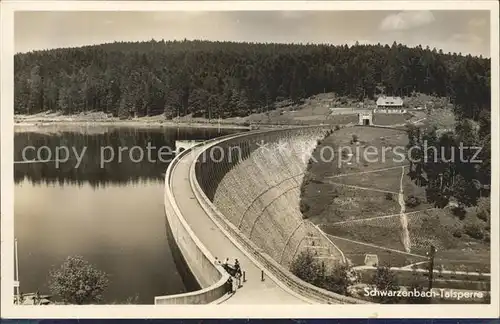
227 79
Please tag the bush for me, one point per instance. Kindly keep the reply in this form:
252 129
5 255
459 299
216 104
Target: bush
354 138
78 282
388 196
412 201
483 216
337 280
457 233
310 270
440 201
474 231
459 211
416 285
484 208
385 280
306 267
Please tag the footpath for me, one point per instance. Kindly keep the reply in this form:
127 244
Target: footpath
254 290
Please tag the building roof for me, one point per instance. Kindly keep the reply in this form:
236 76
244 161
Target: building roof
389 101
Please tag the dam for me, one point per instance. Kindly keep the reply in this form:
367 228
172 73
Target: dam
237 196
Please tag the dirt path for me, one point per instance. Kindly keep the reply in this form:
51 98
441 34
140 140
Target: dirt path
376 217
360 188
410 266
362 172
405 234
376 246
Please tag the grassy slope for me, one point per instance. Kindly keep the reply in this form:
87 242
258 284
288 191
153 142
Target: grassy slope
328 204
333 203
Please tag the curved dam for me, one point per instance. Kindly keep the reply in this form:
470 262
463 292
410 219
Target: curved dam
237 196
255 180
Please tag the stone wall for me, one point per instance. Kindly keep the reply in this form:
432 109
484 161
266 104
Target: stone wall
255 180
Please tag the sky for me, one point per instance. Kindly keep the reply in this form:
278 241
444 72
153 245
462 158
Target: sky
460 31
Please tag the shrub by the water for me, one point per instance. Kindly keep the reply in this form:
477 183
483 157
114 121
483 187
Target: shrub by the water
78 282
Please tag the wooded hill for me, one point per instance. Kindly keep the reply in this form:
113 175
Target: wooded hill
225 79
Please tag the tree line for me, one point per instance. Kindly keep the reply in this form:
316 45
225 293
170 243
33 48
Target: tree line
454 163
227 79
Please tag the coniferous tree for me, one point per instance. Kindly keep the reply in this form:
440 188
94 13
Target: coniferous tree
147 75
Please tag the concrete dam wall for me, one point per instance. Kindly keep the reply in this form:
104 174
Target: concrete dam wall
255 180
210 278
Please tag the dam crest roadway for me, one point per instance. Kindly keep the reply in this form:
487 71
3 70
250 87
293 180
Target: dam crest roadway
246 207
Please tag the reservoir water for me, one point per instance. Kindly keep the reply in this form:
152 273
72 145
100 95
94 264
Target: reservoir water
111 213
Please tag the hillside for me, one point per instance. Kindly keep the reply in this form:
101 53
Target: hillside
355 201
224 79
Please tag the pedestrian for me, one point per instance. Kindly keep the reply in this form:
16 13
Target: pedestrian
237 272
226 262
217 261
224 265
230 285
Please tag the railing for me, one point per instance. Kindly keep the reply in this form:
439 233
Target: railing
185 238
215 291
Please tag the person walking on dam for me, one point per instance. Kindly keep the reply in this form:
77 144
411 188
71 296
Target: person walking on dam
237 272
229 285
217 261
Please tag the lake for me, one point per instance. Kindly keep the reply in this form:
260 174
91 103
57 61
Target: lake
107 209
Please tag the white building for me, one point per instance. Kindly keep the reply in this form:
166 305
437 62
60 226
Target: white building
390 105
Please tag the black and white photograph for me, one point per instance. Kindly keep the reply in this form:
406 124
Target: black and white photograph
254 156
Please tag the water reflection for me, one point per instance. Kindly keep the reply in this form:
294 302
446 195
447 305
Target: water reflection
100 159
112 216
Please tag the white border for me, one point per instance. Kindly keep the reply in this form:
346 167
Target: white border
225 311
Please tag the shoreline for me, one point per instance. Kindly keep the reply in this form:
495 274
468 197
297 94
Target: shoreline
99 123
72 125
